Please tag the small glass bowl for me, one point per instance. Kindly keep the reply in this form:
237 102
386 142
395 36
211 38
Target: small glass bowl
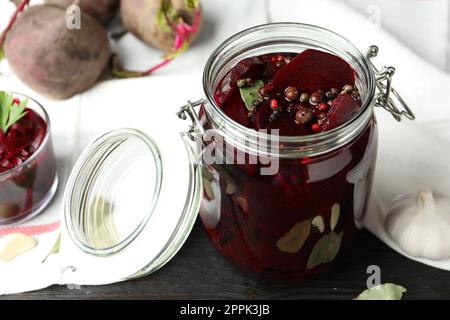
26 190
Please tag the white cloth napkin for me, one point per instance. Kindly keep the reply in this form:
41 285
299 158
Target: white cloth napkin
76 121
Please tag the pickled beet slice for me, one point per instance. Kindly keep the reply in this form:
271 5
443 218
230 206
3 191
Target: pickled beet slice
261 120
247 68
342 110
236 109
313 69
21 140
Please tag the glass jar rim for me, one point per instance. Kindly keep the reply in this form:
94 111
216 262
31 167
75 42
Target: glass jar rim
356 122
45 116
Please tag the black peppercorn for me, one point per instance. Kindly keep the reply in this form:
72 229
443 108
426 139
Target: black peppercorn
274 115
330 95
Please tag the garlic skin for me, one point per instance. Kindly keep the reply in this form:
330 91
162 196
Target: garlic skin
420 224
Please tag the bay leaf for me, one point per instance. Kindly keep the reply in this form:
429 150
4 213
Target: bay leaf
55 248
251 94
208 189
335 214
319 223
294 239
388 291
325 250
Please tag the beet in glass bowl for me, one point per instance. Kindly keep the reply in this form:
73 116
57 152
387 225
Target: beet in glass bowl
296 221
28 178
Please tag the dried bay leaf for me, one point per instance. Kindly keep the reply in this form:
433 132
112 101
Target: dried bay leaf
208 189
325 250
250 95
295 238
55 248
335 214
319 223
388 291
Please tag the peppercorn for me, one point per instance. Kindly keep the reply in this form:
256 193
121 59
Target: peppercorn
335 92
264 93
303 115
241 83
274 104
323 106
291 93
347 89
316 98
329 95
249 82
274 115
304 97
316 128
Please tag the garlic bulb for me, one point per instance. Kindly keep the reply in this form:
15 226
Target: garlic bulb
421 225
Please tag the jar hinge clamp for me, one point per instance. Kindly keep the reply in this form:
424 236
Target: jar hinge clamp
385 97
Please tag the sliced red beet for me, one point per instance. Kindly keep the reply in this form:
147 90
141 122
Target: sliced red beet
21 141
236 109
262 116
247 68
314 69
342 110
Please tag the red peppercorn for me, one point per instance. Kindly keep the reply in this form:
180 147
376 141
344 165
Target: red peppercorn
323 106
316 128
274 104
16 101
273 58
280 58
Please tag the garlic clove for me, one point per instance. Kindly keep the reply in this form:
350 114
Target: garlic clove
420 224
14 245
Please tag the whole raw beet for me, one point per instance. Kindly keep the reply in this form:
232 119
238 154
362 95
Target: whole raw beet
52 59
102 10
141 18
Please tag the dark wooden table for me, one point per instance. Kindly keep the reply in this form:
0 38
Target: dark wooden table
198 272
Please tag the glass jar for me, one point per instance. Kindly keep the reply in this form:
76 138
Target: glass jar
26 189
134 194
298 220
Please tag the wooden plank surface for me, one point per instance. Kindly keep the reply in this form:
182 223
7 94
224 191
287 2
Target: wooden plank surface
199 272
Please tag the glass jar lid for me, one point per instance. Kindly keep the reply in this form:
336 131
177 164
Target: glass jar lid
130 204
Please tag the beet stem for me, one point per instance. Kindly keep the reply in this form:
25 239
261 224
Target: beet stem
19 9
157 67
